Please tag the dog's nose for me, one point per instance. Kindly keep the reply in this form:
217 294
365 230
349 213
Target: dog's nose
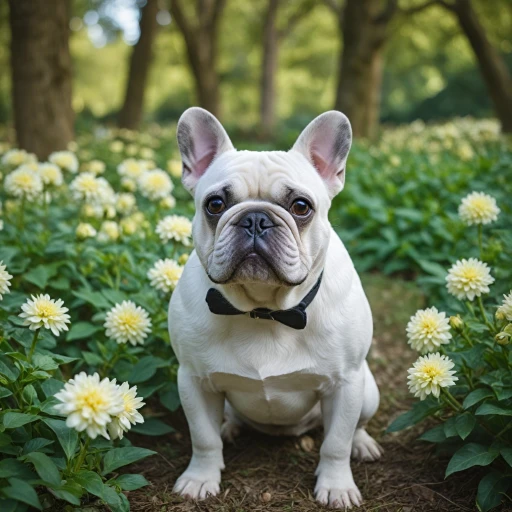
255 223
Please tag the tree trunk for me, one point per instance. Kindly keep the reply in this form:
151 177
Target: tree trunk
132 111
41 75
492 65
360 68
200 37
269 69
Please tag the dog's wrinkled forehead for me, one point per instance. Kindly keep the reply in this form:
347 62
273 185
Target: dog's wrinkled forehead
262 175
316 160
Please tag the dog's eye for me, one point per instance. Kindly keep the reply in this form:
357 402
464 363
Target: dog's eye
215 205
300 208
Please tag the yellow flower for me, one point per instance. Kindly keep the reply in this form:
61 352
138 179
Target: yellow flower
468 279
155 184
125 203
131 168
428 329
24 182
51 174
17 157
165 274
96 167
478 208
168 202
65 160
109 231
41 311
127 322
90 404
175 168
85 230
429 374
174 227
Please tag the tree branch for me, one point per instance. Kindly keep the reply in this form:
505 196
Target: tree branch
303 10
387 13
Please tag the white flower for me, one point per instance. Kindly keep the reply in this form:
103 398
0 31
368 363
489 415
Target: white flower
129 184
127 322
428 329
128 226
85 230
175 168
155 184
505 309
5 280
24 182
87 187
65 160
41 311
429 374
17 157
131 168
468 279
50 174
478 208
125 203
165 274
109 231
129 415
116 146
1 225
175 227
168 202
90 404
96 167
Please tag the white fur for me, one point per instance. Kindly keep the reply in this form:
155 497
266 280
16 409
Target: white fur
270 376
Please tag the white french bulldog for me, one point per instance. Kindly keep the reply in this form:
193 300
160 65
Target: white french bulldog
269 320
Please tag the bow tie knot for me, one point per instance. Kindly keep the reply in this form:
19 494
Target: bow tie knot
295 317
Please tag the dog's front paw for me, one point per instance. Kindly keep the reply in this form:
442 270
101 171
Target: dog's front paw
196 488
339 498
335 486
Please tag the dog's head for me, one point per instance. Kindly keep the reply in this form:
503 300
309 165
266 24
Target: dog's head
261 217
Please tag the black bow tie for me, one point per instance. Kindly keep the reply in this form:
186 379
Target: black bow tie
295 317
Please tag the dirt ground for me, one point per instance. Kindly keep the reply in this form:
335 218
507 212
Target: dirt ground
277 474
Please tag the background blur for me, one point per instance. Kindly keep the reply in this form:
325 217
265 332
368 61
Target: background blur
262 66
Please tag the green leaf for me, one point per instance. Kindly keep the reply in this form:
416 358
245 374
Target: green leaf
119 457
51 386
40 275
95 298
68 493
82 330
45 467
477 396
44 362
36 444
171 399
67 437
92 359
419 411
129 482
152 427
21 491
506 453
488 408
434 269
18 419
4 392
464 424
13 467
91 482
111 498
449 427
145 369
491 489
434 435
471 454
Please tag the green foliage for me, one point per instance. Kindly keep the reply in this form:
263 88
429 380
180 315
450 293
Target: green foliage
474 415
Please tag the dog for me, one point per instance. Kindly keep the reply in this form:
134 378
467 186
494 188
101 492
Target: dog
269 321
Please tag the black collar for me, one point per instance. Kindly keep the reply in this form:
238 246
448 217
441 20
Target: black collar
295 317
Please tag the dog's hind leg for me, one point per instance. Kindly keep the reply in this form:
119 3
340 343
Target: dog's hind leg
231 425
364 447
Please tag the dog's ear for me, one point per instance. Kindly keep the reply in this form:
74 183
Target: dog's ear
325 142
201 138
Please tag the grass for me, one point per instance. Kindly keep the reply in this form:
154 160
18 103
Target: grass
277 474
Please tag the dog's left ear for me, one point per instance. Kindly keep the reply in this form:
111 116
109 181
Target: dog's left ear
201 138
325 142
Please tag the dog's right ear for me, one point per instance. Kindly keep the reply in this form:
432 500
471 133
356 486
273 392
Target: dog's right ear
201 138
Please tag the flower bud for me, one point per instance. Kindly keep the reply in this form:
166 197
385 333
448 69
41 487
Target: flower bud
508 329
183 259
456 323
502 338
500 316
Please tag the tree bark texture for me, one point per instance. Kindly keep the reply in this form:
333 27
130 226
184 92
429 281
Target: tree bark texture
41 75
363 33
201 35
492 65
140 61
269 69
